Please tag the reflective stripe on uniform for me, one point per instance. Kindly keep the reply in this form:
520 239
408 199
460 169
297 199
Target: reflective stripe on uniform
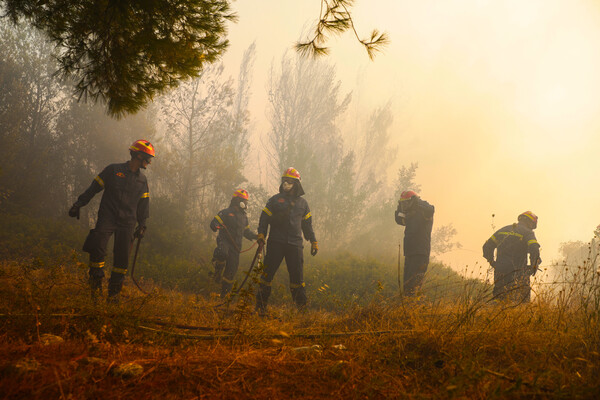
511 234
145 195
228 280
99 180
494 239
219 220
97 264
307 216
267 211
297 285
532 241
119 270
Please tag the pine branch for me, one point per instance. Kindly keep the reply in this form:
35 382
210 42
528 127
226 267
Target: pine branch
335 20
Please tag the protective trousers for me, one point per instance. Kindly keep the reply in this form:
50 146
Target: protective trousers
294 259
511 283
226 260
96 244
415 267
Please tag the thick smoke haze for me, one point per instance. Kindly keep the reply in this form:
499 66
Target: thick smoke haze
496 100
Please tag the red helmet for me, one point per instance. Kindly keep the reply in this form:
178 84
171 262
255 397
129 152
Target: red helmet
528 215
407 195
291 172
143 146
241 193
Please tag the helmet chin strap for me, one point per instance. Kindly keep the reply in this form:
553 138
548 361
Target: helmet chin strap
141 158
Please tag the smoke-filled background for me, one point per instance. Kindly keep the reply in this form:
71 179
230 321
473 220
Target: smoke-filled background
496 100
486 108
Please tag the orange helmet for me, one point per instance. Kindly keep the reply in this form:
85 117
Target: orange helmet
407 195
291 172
143 146
528 215
241 193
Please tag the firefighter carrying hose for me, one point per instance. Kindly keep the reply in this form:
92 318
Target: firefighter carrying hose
417 216
288 215
512 244
125 201
232 224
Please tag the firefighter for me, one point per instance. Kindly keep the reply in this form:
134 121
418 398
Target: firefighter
232 224
512 244
417 216
125 201
288 215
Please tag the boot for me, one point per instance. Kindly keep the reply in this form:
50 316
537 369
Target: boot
115 284
262 298
96 275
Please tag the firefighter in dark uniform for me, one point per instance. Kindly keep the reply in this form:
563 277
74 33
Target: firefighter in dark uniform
288 215
232 224
125 201
512 244
417 216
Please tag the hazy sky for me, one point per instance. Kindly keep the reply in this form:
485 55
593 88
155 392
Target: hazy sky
497 100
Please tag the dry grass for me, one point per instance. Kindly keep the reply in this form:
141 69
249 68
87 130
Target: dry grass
190 349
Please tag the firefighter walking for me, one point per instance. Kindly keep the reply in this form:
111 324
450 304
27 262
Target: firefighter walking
417 216
232 224
125 201
512 244
288 215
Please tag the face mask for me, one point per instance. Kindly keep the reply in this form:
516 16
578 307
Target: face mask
287 186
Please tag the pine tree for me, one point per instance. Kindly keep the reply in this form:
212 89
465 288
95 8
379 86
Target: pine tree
127 52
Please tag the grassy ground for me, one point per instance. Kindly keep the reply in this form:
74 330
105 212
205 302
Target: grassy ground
172 345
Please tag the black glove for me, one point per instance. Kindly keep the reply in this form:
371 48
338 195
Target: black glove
74 211
139 232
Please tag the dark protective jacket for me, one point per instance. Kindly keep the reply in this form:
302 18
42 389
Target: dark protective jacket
419 223
512 242
289 217
236 221
126 197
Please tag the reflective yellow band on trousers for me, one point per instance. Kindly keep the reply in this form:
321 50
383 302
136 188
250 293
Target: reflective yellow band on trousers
119 270
97 264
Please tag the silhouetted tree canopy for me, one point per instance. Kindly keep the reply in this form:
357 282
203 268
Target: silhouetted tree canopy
126 52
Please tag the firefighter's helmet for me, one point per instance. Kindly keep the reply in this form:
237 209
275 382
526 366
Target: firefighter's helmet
142 146
407 195
241 193
291 172
529 216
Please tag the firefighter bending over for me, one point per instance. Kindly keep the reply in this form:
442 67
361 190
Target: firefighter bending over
125 200
232 224
417 216
512 244
289 217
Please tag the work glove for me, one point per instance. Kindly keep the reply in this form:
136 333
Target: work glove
314 248
139 232
260 239
74 211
